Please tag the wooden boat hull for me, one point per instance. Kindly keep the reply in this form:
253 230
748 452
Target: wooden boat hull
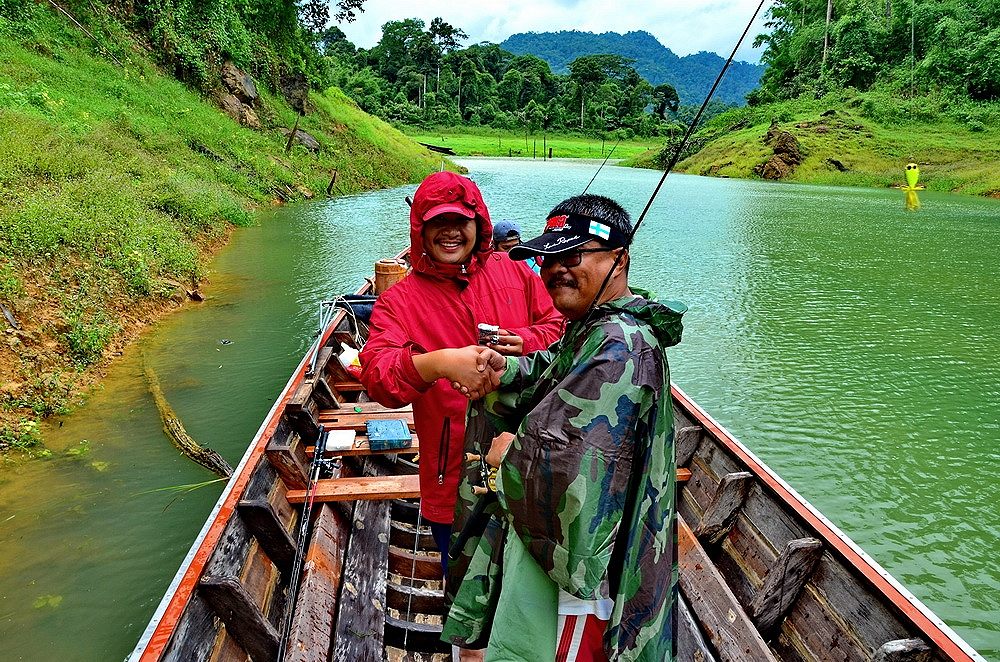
763 575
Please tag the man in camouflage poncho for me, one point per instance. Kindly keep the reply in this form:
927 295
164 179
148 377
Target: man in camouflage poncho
586 488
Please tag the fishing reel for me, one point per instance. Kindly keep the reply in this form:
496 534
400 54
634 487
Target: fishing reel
487 475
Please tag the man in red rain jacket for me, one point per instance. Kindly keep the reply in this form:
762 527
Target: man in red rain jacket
458 281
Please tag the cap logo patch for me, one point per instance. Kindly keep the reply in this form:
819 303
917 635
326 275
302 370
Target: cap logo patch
600 230
556 223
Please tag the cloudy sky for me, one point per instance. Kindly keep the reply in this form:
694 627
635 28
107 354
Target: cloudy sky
684 26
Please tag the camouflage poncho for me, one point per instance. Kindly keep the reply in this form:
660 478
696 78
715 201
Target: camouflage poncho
586 414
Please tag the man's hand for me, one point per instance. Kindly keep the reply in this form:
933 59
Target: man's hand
474 371
510 344
498 448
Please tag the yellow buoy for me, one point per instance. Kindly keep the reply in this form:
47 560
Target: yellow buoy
912 175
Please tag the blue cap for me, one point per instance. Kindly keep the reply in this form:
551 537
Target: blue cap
504 230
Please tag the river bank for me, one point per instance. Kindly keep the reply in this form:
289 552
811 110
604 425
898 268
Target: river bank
118 183
851 139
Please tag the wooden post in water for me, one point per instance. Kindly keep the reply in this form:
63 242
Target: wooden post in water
172 425
291 136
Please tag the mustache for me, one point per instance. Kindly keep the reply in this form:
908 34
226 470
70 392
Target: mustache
559 281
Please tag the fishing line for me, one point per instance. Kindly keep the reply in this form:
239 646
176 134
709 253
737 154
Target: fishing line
300 547
601 166
670 166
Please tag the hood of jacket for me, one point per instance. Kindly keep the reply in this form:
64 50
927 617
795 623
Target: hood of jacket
664 317
439 193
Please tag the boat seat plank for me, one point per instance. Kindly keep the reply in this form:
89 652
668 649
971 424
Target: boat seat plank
311 636
361 448
360 627
784 582
243 619
408 536
420 637
725 623
368 488
414 599
718 518
352 420
405 563
262 521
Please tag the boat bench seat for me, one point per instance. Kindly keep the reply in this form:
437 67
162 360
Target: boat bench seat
362 488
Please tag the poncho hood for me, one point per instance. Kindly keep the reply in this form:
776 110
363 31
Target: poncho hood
444 192
664 317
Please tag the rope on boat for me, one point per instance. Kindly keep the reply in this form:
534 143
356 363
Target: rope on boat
179 437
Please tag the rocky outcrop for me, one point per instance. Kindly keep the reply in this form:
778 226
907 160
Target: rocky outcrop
295 88
240 96
787 154
239 84
239 111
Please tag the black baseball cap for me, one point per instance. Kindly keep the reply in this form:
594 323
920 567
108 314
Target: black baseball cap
564 232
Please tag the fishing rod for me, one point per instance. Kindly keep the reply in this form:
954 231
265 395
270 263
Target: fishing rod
601 166
476 524
670 166
319 463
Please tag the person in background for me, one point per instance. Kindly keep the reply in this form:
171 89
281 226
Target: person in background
419 325
586 486
506 235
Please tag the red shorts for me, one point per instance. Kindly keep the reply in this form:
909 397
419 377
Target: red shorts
580 639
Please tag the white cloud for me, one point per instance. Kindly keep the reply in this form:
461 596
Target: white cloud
683 26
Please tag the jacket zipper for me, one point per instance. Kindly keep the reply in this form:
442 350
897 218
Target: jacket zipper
443 455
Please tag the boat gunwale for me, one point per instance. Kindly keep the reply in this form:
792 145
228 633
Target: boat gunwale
921 617
164 620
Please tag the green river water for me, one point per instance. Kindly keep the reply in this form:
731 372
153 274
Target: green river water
851 344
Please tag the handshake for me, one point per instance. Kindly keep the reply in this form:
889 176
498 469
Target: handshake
473 371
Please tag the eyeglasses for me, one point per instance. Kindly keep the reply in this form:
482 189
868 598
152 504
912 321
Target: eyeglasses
570 259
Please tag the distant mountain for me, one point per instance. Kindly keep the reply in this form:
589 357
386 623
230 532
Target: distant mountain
692 75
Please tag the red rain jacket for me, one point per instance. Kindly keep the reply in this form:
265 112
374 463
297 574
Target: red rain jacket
438 306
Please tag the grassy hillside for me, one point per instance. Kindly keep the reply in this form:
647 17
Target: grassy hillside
116 183
871 136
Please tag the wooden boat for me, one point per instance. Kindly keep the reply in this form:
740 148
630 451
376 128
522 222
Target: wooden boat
438 148
763 575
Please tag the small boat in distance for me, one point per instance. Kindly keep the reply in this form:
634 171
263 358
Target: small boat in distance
763 575
439 149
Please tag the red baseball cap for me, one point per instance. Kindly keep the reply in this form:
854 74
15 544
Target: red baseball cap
446 192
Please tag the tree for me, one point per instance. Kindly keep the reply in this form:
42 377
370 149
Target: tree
446 36
315 14
395 51
665 99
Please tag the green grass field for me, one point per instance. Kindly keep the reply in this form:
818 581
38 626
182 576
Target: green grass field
469 141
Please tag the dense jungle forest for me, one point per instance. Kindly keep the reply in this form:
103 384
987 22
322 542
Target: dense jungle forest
916 48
